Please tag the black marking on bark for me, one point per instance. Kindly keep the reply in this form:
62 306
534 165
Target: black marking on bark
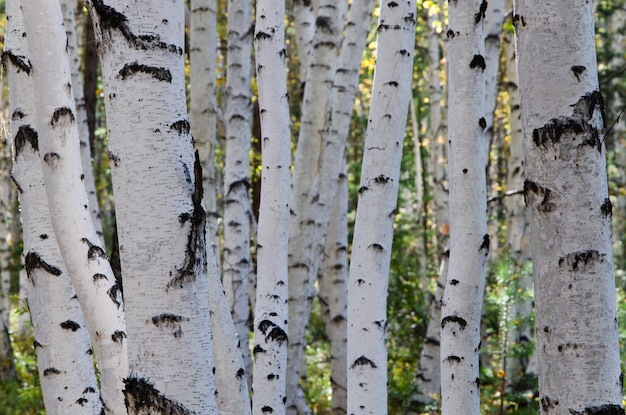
272 376
577 70
242 184
278 335
36 344
63 112
392 83
392 4
382 179
450 34
464 171
478 61
267 409
376 247
454 282
51 159
181 127
114 158
89 351
361 361
113 292
432 340
323 24
338 319
17 185
382 27
484 245
18 114
51 371
607 208
158 73
262 36
577 261
482 123
454 319
608 409
89 389
94 251
97 277
70 325
453 358
404 52
140 396
547 403
26 134
363 189
555 128
546 205
258 349
240 373
111 19
518 19
481 12
118 336
196 238
33 261
82 401
409 18
19 61
166 319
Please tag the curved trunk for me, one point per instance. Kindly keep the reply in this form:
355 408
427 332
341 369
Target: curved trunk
80 246
378 192
158 198
570 211
469 241
270 317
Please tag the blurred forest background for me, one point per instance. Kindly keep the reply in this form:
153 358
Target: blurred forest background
419 234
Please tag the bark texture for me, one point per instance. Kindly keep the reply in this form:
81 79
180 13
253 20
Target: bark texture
378 192
78 241
160 216
469 241
569 207
270 322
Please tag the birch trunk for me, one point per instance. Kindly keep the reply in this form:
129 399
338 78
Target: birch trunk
78 241
270 321
69 22
158 197
570 211
378 192
237 211
333 294
469 241
304 24
203 107
62 343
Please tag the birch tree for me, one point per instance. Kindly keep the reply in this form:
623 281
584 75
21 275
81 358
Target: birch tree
237 211
570 211
305 239
469 241
373 231
78 241
62 343
158 197
203 106
270 317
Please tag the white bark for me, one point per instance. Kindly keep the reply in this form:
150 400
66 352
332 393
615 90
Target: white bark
494 16
570 211
469 241
158 197
237 210
231 374
270 321
333 294
378 192
69 22
62 343
304 24
203 106
83 255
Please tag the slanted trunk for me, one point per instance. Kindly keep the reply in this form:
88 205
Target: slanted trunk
469 241
270 317
78 241
570 211
378 192
158 205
